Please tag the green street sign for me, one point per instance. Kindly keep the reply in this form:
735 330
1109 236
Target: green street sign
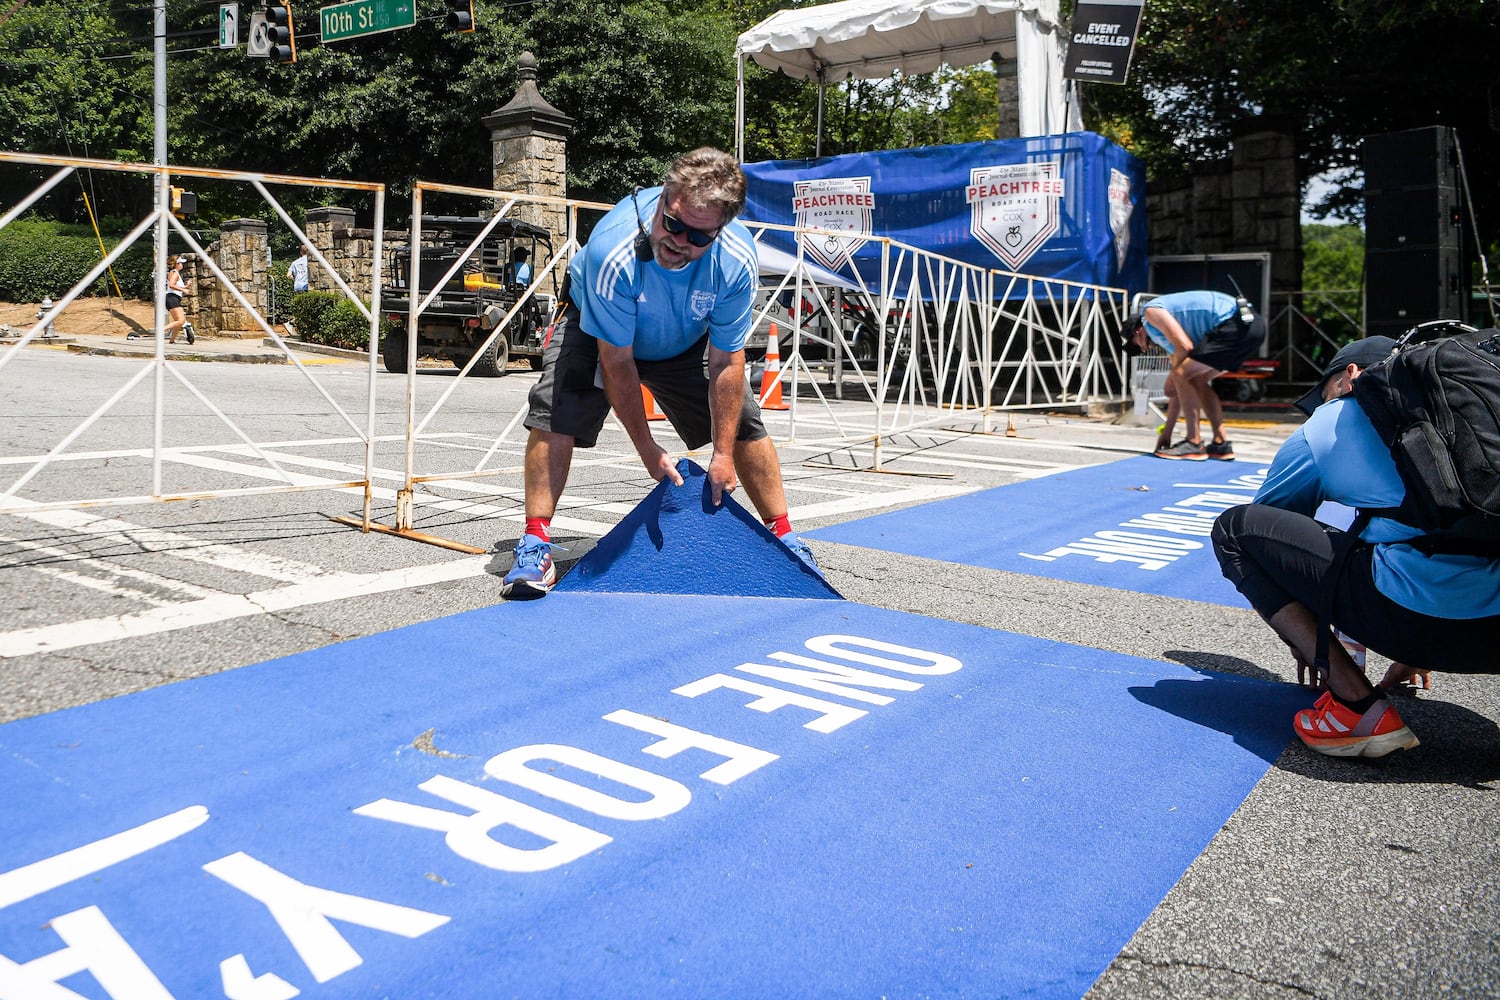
366 17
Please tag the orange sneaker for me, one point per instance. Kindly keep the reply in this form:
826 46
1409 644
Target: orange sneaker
1332 728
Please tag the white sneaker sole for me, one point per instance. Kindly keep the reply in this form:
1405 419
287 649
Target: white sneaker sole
1367 746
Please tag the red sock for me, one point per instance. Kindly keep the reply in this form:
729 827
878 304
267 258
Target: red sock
779 525
541 527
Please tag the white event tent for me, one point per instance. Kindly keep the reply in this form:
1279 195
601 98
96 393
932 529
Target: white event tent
869 39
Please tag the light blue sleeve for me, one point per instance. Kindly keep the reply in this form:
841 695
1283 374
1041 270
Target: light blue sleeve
730 322
1293 482
604 288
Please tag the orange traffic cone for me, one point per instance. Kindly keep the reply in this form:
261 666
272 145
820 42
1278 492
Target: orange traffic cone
770 384
650 403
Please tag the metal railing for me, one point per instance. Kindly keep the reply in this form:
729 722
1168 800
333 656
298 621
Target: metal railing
28 493
934 341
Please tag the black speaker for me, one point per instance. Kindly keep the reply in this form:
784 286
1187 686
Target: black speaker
1413 217
1415 158
1416 266
1407 287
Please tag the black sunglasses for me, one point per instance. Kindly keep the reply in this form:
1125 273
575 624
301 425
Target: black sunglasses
677 227
674 225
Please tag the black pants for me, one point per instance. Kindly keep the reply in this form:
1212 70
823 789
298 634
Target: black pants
1276 557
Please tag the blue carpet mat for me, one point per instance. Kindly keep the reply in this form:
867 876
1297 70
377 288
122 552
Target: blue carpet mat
1141 524
627 795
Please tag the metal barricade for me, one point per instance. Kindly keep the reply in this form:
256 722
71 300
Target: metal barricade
178 398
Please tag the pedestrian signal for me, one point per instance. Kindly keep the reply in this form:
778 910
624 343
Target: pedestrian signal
184 203
279 29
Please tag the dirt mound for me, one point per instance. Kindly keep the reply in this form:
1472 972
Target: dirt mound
85 316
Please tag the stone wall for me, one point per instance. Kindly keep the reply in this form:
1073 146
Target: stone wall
241 253
1008 124
533 165
349 250
1250 204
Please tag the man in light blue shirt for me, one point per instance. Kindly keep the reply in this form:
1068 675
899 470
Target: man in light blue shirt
520 269
298 273
667 275
1207 334
1411 600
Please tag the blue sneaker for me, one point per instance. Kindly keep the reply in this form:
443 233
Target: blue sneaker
799 548
533 573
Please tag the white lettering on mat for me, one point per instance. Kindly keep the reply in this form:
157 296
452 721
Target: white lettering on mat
624 793
1193 515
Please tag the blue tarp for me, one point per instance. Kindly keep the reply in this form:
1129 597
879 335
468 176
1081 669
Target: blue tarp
1064 206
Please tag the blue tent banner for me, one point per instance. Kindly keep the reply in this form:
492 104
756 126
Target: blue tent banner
1065 206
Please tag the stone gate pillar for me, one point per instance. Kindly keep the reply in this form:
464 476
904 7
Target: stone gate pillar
329 228
529 149
242 255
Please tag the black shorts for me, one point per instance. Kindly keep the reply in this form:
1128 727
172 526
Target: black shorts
1227 345
174 301
1278 557
569 398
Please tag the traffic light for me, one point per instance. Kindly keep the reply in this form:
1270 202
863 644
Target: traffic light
460 15
279 29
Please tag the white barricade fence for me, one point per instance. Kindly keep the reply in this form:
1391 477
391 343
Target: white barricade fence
158 429
1148 382
938 340
935 342
485 325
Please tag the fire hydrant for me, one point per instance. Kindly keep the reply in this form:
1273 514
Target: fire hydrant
51 330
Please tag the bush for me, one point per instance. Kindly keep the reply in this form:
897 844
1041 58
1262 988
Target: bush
330 319
281 295
345 326
307 309
40 258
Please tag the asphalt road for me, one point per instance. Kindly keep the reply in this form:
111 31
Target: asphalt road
1334 879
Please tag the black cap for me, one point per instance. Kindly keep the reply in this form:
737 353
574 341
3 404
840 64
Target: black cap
1361 353
1127 332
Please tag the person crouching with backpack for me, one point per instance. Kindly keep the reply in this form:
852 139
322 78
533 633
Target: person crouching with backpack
1304 578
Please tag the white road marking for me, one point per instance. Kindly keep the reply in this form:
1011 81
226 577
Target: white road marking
181 546
224 607
308 584
108 569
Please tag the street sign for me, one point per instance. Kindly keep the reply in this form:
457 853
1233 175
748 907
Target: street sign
258 45
229 25
366 17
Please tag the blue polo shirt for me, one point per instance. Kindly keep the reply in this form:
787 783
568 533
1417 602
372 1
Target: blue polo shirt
1197 312
625 301
1336 455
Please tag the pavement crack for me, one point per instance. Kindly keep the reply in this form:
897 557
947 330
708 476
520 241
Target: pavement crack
1204 967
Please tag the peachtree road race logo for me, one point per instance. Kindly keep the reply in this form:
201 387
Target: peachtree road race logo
842 203
1015 207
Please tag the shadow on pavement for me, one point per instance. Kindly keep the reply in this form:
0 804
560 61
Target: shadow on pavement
1220 662
1254 713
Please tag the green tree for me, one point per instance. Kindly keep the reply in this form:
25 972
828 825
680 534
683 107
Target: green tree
1330 71
1333 257
643 81
72 86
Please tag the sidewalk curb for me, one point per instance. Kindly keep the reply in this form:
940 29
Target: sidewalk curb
304 347
174 355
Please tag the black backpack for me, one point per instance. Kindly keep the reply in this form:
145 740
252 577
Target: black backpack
1435 401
